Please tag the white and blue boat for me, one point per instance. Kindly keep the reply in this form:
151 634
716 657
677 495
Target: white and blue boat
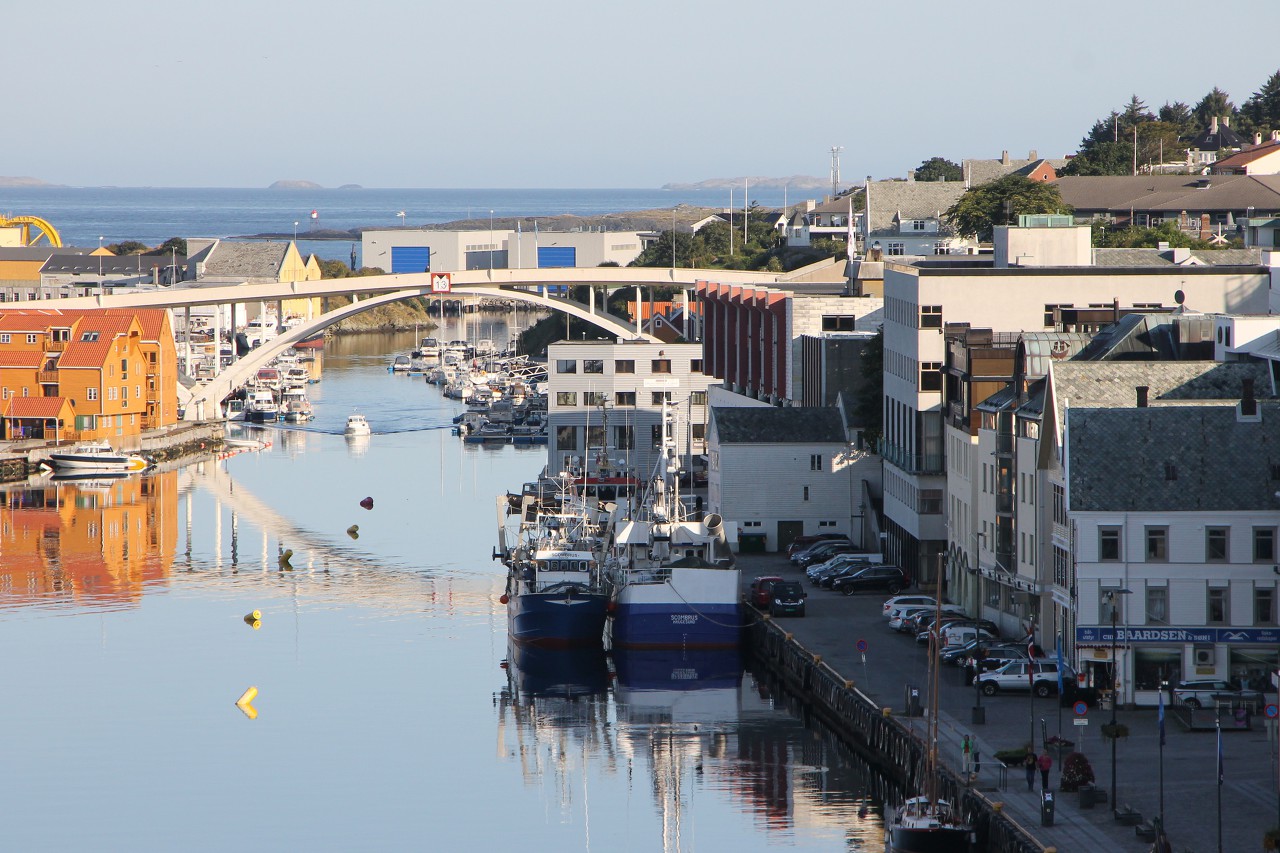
671 574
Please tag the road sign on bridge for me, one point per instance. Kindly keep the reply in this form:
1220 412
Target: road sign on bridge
441 282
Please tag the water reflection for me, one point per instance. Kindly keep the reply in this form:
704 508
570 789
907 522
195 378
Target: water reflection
87 541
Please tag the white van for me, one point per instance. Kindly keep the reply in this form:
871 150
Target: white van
958 635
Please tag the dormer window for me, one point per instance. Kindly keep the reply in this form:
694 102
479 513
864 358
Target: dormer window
88 337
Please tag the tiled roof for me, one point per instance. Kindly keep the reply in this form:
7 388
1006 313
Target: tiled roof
82 353
1243 158
985 171
255 260
1169 193
34 407
1178 459
21 358
32 320
891 200
770 425
1216 140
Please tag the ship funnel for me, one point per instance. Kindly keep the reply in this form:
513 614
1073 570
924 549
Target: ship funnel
715 525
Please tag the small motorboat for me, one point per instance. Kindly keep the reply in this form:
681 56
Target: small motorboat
357 425
401 364
96 457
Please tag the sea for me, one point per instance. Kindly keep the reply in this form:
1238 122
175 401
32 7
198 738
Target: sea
151 215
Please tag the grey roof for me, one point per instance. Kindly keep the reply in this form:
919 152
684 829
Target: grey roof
250 259
1121 194
1179 459
1165 258
37 253
108 264
985 171
892 201
1216 140
770 425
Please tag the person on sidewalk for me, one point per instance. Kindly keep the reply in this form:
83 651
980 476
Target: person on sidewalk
1029 764
1045 763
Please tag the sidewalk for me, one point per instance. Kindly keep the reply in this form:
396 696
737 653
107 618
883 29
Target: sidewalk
893 661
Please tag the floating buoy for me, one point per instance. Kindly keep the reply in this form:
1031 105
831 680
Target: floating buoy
504 598
354 531
367 503
244 703
255 616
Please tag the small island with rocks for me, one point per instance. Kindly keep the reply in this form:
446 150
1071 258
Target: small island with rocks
295 185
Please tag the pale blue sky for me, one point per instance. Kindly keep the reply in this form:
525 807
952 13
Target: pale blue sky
566 93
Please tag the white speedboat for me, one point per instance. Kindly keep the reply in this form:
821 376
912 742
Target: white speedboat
96 457
357 425
295 407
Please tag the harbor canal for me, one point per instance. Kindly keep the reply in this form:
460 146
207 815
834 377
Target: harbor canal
390 713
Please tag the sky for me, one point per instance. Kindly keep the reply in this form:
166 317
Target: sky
570 94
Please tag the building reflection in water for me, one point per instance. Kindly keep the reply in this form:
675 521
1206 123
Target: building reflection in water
89 542
680 725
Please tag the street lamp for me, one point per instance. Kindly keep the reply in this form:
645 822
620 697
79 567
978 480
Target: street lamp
100 288
1110 596
401 215
491 241
295 232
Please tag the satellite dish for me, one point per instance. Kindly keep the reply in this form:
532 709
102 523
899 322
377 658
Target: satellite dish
1179 297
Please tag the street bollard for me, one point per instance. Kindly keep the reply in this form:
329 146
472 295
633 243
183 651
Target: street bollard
1046 809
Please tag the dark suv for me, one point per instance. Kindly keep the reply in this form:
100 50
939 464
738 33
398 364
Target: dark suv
788 599
888 579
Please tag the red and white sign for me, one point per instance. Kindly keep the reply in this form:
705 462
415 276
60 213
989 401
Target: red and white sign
441 282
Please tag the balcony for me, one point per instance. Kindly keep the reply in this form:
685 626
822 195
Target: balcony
912 463
1004 503
47 377
55 346
1004 444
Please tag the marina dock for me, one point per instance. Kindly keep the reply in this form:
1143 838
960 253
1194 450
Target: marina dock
893 664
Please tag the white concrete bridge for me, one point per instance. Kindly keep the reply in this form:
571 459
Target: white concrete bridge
526 285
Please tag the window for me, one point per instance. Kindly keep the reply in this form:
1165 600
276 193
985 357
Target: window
124 368
1264 605
806 493
917 225
595 436
567 438
4 339
1218 609
592 365
92 393
566 398
930 376
111 392
837 323
595 398
930 501
31 339
1111 607
1109 544
826 524
1215 544
566 365
24 391
1059 504
660 397
931 316
896 248
661 365
624 365
1157 605
695 365
137 392
87 337
699 431
655 435
698 398
1264 544
1157 544
624 398
624 438
815 462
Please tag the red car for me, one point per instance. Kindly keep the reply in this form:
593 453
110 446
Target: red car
761 591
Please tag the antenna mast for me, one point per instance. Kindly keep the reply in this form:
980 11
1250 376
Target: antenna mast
835 169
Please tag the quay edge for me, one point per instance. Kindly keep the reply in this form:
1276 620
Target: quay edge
182 440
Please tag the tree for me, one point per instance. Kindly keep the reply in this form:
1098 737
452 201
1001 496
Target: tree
177 245
939 169
868 405
1262 110
1216 103
127 247
1178 115
1000 202
1105 237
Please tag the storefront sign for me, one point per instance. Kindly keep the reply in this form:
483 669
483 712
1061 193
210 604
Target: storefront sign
1142 634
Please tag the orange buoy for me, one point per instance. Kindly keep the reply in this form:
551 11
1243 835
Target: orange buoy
504 598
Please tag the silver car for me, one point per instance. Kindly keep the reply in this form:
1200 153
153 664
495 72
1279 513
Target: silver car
1043 678
1208 693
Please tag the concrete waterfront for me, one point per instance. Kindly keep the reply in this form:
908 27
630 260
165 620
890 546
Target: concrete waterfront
894 662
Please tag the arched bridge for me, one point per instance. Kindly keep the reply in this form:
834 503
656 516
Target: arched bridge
520 284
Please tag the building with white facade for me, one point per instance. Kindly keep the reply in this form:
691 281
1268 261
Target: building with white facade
419 250
781 473
625 384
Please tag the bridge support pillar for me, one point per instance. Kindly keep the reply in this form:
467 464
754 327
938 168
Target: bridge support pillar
639 313
187 334
217 339
279 316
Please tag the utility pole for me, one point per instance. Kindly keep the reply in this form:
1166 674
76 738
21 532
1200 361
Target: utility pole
835 169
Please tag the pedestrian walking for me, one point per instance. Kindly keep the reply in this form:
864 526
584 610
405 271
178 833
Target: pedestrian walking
1029 764
1045 763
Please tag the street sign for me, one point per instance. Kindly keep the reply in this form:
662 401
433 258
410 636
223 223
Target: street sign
1081 721
441 282
1271 710
1080 708
861 645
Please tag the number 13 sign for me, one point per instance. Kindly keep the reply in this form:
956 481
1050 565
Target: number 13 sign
441 282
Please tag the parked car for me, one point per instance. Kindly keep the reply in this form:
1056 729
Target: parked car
822 551
1042 677
800 543
845 570
993 657
899 600
950 627
1208 693
837 561
760 593
888 579
788 599
903 618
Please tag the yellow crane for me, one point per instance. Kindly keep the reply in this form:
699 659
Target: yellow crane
29 224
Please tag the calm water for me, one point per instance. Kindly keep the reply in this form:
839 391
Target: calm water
153 215
390 714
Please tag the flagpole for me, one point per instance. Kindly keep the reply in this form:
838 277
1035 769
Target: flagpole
1219 724
1161 721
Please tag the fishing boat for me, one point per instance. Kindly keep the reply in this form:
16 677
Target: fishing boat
262 407
928 823
671 575
297 377
295 408
357 425
554 594
96 457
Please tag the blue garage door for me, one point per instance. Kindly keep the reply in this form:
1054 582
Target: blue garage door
557 256
410 258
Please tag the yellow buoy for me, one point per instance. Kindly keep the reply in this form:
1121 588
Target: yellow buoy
255 616
284 559
244 703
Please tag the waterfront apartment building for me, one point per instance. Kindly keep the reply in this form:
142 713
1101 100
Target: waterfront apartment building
86 375
1009 294
420 250
608 396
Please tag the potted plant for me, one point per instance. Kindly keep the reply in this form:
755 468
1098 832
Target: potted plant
1012 757
1114 730
1059 744
1076 771
1271 839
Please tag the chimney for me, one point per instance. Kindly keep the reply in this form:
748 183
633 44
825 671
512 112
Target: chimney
1142 396
1226 121
1275 136
911 175
1213 125
1257 139
1031 155
1248 405
1004 158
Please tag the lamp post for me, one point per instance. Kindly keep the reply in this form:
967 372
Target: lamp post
100 287
490 241
295 232
1115 681
401 215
